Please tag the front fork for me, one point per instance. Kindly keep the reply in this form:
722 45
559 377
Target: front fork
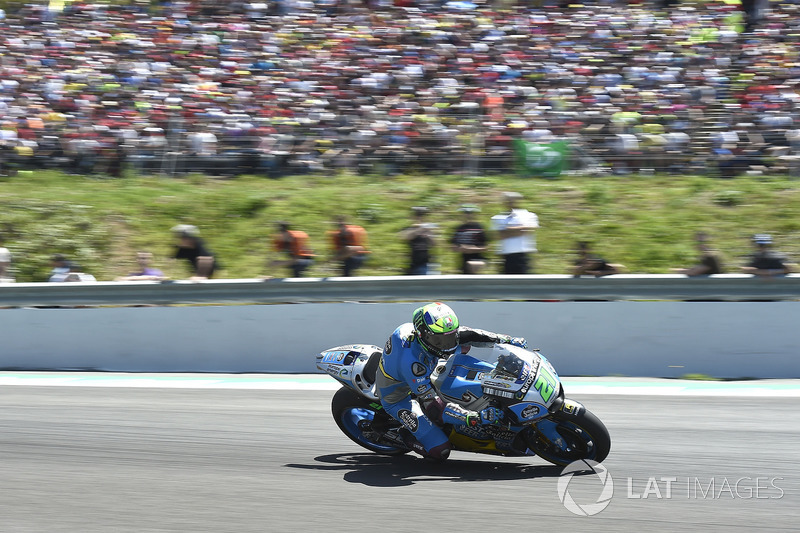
544 426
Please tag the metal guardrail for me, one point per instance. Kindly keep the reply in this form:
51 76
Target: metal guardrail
724 287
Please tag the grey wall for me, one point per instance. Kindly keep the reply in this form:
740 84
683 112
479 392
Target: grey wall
662 339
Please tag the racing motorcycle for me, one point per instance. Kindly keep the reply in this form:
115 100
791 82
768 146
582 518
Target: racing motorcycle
538 418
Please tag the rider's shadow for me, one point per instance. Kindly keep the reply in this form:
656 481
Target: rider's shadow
398 471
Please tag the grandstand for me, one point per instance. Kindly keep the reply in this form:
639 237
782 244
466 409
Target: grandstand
292 87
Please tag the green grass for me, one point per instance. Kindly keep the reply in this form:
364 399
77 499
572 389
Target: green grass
646 223
699 377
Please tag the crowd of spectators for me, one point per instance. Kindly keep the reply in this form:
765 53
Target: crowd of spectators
298 86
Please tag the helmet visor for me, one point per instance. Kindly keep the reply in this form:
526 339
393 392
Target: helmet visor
443 342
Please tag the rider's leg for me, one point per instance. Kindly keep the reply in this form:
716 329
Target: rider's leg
430 439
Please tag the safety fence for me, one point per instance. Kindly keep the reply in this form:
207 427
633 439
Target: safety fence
468 146
622 287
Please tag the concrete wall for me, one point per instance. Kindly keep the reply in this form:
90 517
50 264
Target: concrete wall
661 339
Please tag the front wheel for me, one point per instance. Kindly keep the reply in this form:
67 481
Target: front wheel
361 421
562 438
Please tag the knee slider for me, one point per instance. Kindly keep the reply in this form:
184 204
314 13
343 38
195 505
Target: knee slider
441 452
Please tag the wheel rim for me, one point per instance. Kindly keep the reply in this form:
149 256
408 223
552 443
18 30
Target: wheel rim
354 419
562 442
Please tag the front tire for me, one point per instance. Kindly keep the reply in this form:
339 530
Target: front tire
354 416
562 438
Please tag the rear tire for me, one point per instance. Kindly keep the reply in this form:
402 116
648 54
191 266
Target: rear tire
352 413
562 438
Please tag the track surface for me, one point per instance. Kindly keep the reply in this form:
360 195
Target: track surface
97 459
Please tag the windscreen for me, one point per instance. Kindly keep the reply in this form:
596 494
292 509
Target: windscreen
510 365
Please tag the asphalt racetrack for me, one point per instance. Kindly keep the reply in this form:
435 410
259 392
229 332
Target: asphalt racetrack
119 456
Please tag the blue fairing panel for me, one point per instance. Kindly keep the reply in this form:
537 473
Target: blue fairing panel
464 378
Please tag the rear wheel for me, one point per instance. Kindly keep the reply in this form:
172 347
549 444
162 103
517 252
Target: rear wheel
562 438
362 421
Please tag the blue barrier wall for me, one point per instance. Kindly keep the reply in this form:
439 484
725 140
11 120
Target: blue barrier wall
633 338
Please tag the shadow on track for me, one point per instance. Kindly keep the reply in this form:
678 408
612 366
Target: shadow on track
384 471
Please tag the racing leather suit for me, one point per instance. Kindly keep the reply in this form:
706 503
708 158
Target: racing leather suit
405 368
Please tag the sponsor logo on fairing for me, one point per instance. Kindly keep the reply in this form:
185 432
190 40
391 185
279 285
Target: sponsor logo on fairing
474 432
571 407
331 357
528 382
499 433
529 411
497 384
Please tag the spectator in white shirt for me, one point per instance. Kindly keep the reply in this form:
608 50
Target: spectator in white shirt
515 229
5 263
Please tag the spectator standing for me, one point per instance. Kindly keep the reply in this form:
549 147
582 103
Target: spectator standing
5 263
349 242
589 264
469 239
515 229
709 262
193 249
293 244
753 13
61 267
76 274
765 261
421 238
145 272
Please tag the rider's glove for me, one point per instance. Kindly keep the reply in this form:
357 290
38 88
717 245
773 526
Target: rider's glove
491 416
518 341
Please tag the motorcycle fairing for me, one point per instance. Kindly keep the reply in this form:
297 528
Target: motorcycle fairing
528 411
497 440
523 376
349 365
459 380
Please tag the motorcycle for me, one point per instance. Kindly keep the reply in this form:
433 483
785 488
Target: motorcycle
539 419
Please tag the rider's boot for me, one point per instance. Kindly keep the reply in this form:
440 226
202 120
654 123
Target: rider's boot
438 453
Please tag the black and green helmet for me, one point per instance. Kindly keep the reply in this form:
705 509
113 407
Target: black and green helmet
436 327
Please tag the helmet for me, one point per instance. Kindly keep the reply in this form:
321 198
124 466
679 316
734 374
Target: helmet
436 327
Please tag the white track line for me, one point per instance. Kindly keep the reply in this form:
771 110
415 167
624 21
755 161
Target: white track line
572 386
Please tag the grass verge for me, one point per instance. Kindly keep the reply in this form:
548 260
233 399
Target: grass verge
645 223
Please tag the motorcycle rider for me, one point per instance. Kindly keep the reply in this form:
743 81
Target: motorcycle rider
409 358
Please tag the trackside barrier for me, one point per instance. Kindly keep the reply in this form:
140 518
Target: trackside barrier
732 326
724 287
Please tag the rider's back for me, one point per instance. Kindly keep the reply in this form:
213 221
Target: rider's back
402 359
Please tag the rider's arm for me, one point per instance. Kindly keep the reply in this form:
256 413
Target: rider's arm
451 413
436 408
432 404
486 339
